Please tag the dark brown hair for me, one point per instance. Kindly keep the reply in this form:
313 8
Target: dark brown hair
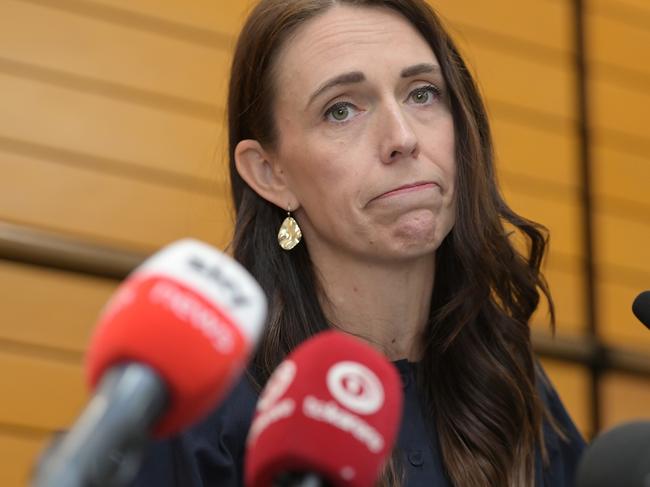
478 374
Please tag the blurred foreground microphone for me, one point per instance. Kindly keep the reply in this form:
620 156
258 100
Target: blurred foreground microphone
328 415
168 345
619 457
641 308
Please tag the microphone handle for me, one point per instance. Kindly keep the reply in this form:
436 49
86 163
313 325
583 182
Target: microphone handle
300 479
105 445
310 480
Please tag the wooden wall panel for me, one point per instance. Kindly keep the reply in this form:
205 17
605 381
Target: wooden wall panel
222 16
621 163
539 22
619 326
140 135
619 109
566 284
536 159
572 384
112 131
523 81
108 132
619 36
542 157
108 52
121 210
624 8
18 454
545 23
27 382
622 177
50 308
623 242
39 396
625 398
619 93
615 42
559 215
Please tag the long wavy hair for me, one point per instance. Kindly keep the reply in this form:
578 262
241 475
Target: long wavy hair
478 375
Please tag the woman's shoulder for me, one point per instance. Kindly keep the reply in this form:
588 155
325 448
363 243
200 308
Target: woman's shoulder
563 441
231 419
209 451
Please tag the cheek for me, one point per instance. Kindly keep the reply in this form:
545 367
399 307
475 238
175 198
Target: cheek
316 182
322 166
447 143
444 153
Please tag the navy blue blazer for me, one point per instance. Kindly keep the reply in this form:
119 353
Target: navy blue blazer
211 453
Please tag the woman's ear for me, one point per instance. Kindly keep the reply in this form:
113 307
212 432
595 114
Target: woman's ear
264 176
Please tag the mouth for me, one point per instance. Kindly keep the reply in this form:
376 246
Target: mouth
407 188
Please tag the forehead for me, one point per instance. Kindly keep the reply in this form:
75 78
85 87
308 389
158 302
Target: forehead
346 38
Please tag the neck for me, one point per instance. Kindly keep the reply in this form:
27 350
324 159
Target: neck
385 304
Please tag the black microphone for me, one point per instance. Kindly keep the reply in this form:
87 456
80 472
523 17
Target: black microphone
619 457
641 308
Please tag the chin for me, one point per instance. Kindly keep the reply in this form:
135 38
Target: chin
415 235
418 241
400 250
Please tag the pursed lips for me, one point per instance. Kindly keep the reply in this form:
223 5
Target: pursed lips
406 188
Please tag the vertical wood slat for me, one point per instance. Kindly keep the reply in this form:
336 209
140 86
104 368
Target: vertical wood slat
584 136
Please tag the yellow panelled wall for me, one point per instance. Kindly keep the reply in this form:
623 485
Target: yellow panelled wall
619 40
112 131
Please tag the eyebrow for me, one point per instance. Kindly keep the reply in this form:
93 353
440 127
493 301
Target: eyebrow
341 79
358 77
421 68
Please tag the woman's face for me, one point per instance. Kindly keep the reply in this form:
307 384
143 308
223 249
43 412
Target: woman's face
366 136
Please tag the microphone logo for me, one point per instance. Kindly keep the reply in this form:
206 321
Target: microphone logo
356 387
270 408
219 276
277 385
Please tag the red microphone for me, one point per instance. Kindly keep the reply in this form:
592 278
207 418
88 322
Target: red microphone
330 411
168 345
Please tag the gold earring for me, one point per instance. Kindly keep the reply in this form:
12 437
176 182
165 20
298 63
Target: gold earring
290 234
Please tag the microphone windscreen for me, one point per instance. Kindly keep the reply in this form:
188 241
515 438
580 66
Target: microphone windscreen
641 308
333 407
620 456
190 313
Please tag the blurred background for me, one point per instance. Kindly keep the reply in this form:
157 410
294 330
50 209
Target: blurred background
112 144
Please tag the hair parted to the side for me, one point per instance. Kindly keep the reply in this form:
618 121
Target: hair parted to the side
478 375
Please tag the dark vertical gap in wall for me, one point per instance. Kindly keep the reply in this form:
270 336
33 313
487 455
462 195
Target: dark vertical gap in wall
585 165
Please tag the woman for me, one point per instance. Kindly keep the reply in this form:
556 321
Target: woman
356 125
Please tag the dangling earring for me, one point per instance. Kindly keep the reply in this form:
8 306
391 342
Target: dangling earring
290 234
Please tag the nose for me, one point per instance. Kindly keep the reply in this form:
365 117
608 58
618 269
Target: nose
397 138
